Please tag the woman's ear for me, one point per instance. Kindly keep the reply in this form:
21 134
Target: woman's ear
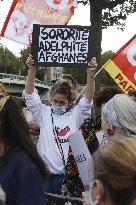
95 194
109 130
98 191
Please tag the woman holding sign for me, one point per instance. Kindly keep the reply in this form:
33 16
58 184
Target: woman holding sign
56 124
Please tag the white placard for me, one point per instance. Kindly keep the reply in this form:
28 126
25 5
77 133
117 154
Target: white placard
82 157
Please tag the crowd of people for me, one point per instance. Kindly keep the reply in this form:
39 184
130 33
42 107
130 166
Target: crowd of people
35 153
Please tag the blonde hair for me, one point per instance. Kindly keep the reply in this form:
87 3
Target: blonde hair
115 167
2 89
3 100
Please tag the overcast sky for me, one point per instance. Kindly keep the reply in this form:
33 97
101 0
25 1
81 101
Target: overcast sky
112 39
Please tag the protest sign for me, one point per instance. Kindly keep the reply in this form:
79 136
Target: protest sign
122 66
54 199
82 157
62 45
22 15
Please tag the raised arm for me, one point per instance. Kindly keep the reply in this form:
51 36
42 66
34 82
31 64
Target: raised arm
32 99
90 86
29 86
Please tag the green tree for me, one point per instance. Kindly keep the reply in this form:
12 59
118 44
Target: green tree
103 77
24 54
78 73
9 63
105 13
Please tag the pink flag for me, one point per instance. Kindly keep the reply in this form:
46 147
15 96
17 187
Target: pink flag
24 13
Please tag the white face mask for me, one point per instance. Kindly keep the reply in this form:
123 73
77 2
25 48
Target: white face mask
58 110
87 196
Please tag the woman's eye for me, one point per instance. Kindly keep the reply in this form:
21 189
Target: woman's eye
62 103
55 101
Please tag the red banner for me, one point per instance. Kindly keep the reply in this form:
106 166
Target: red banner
122 66
24 13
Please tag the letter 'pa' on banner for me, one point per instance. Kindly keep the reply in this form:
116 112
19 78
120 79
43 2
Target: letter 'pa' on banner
122 66
24 13
70 46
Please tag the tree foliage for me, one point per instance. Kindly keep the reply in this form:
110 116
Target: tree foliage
103 77
105 13
114 12
78 73
24 54
9 63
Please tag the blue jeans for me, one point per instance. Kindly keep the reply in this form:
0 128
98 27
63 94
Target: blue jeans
55 183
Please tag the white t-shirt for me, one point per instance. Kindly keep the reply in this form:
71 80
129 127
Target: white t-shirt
65 124
28 115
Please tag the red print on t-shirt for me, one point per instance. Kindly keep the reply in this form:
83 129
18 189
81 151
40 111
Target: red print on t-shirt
62 132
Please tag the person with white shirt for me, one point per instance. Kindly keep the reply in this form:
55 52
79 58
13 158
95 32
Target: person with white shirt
56 123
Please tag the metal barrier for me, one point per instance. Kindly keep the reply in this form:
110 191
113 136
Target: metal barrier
54 199
16 79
